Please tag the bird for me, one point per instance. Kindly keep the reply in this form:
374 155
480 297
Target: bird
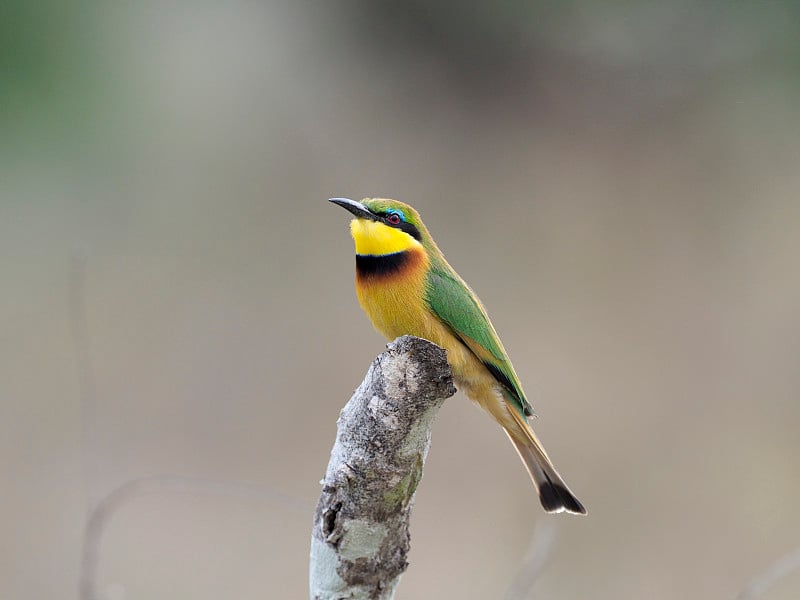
406 287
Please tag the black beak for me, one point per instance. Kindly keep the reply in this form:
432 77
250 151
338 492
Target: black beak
358 209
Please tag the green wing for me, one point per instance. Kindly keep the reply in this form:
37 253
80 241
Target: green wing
458 306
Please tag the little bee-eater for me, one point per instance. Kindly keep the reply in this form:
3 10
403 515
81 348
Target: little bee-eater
406 287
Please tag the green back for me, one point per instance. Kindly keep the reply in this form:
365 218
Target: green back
457 305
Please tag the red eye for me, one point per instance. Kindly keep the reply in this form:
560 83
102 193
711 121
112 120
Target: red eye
393 219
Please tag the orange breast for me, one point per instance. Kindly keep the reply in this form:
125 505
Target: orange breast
391 290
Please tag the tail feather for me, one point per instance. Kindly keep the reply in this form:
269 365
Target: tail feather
554 494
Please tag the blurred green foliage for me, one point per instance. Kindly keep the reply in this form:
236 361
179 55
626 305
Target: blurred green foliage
49 77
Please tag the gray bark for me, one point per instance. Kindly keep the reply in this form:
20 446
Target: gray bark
360 540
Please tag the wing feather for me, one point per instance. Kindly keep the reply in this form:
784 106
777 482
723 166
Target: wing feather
456 304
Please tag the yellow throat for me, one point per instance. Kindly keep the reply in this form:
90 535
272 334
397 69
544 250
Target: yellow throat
374 238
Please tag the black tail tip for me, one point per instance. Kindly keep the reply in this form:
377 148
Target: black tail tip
556 498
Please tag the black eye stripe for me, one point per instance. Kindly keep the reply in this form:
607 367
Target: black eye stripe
408 228
402 225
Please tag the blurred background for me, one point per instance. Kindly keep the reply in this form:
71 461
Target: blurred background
617 180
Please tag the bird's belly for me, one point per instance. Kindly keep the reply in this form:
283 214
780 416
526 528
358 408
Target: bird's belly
396 309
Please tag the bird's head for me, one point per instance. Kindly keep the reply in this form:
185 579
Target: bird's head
382 226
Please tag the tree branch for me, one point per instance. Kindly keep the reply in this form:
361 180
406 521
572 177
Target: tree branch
361 539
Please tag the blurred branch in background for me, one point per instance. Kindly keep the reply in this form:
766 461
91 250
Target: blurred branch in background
86 380
160 484
101 509
541 546
775 572
361 538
